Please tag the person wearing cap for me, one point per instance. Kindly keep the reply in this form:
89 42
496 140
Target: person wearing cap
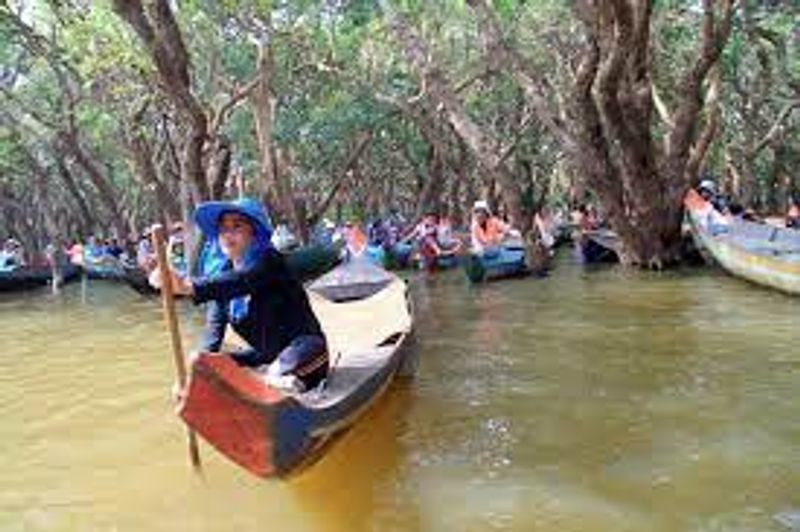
715 215
793 214
246 283
487 231
708 191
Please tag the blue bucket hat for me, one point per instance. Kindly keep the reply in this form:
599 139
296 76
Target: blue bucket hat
207 216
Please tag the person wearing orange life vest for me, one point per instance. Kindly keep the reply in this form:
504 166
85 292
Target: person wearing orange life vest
487 231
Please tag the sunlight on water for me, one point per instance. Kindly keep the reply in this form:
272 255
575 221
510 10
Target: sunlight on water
589 400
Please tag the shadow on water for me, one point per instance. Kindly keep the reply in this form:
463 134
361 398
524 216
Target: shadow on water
357 476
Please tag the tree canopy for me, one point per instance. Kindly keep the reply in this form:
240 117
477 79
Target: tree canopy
116 113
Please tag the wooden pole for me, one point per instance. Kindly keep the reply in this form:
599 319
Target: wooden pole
168 300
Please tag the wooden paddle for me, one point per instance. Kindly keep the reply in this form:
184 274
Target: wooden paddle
168 300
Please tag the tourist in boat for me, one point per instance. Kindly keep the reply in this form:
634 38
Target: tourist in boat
487 231
584 217
12 255
546 225
75 252
247 284
355 240
378 234
793 214
736 212
145 254
708 191
425 237
715 215
446 237
92 251
323 233
113 249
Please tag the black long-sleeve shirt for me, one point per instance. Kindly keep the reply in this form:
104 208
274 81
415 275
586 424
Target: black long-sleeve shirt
278 310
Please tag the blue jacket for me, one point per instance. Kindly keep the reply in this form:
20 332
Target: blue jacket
278 310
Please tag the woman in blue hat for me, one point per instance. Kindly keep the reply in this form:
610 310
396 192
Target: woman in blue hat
247 284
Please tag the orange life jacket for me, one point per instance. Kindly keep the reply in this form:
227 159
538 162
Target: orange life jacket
356 240
490 235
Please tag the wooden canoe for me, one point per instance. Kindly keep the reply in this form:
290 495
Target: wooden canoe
505 262
137 278
598 246
107 268
763 254
273 433
28 278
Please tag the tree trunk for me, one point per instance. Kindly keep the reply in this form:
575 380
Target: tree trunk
159 32
430 195
88 222
146 174
101 181
274 182
221 166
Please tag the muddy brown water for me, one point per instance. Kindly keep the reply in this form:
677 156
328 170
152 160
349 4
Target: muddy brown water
592 400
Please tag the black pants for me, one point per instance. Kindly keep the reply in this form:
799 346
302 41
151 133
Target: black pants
306 357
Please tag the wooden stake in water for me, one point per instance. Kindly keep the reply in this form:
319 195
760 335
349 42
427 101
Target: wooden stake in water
168 300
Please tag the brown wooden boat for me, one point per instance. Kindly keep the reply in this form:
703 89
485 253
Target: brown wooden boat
273 433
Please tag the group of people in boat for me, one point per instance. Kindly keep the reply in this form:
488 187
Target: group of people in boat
434 239
110 255
245 282
724 211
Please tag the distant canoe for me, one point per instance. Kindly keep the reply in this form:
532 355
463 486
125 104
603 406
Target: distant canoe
763 254
273 433
359 280
28 278
598 246
106 268
501 263
443 261
138 279
396 257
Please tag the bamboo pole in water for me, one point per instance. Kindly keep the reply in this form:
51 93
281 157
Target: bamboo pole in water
168 300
